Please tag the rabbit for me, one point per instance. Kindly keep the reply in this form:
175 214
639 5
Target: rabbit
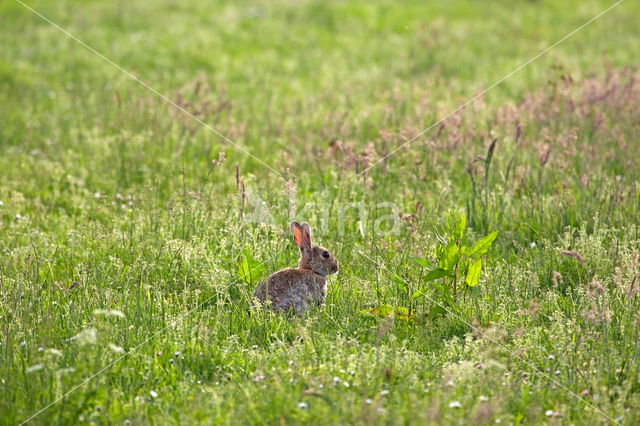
295 289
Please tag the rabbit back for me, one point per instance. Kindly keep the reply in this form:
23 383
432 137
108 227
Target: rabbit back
292 289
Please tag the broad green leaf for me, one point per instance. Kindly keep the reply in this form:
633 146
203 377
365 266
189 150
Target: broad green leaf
418 293
421 261
473 273
437 311
249 269
435 274
401 313
482 246
398 312
449 256
382 310
402 284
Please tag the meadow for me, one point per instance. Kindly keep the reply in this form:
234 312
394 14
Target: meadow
132 235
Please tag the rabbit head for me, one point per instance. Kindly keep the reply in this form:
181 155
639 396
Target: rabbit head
317 259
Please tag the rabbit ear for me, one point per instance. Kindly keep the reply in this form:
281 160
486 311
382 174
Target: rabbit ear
306 235
296 228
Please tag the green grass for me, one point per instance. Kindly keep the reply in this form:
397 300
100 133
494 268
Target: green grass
114 200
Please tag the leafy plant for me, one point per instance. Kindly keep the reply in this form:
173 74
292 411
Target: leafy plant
249 269
458 265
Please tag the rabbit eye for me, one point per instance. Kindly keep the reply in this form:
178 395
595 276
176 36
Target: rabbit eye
326 254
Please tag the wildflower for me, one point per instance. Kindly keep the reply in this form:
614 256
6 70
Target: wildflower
594 288
573 254
54 351
153 394
109 313
368 401
35 368
86 337
455 404
303 405
484 398
116 348
551 413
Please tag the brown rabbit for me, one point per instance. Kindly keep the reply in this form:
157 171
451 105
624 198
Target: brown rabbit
294 289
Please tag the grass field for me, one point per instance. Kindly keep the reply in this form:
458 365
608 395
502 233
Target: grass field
132 237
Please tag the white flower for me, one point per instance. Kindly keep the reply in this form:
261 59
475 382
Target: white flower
533 244
86 337
484 398
455 404
54 351
303 405
153 394
336 380
552 357
35 368
368 401
109 313
116 348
